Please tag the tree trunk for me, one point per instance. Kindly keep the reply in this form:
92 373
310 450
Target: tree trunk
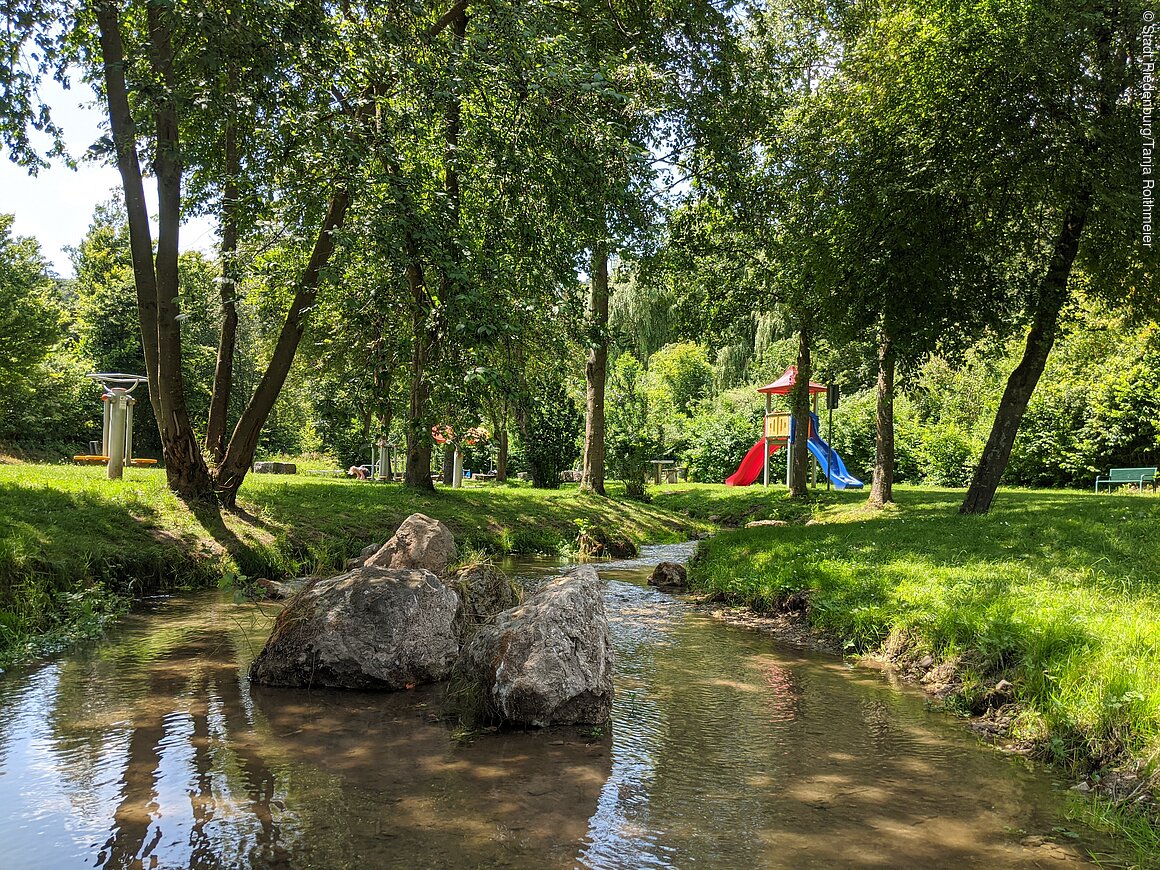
801 413
448 464
596 372
244 441
418 475
501 458
1053 294
155 276
124 132
223 374
882 489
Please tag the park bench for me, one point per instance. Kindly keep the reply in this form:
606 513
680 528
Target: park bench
1128 476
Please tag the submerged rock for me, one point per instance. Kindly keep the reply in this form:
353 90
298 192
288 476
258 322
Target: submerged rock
370 628
547 661
420 542
669 577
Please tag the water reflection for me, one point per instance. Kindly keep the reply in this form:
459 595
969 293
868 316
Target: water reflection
152 749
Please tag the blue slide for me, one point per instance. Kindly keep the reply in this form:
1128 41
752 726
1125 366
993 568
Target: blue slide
839 476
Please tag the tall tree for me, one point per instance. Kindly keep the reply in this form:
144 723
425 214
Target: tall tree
1067 130
596 372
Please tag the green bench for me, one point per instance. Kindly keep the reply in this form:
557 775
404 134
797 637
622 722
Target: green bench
1124 476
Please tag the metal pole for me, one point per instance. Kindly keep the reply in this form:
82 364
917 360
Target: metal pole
765 441
813 459
116 437
830 445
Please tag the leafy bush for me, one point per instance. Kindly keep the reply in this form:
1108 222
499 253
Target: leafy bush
629 443
947 455
718 440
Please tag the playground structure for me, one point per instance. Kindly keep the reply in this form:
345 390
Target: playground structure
117 431
778 432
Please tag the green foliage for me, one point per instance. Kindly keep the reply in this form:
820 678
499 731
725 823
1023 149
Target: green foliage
947 455
718 439
550 428
629 441
29 313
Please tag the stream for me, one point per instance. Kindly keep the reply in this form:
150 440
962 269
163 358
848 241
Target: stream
151 749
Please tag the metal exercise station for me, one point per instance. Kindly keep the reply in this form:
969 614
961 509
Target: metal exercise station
117 432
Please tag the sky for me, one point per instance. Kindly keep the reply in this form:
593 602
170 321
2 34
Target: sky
56 206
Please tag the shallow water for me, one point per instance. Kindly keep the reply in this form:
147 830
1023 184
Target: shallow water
151 749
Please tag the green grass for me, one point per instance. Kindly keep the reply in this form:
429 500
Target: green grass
1057 591
75 547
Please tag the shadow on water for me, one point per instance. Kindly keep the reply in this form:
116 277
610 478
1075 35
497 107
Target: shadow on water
152 749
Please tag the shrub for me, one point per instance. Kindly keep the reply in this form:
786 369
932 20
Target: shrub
629 444
718 441
947 455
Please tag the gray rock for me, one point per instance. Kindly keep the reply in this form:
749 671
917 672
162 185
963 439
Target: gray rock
364 554
754 524
278 591
370 628
548 661
264 467
669 577
484 591
420 542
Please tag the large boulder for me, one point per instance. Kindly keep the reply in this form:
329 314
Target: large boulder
484 591
370 628
420 542
547 661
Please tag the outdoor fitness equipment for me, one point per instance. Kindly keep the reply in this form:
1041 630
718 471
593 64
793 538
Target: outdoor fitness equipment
117 432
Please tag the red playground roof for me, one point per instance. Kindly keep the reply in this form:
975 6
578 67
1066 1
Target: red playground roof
783 385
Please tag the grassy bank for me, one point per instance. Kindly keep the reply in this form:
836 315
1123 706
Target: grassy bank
75 548
1058 592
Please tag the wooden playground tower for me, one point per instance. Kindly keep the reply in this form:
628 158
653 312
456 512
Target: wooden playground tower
778 426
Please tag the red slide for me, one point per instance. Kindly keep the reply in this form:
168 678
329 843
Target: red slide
751 465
